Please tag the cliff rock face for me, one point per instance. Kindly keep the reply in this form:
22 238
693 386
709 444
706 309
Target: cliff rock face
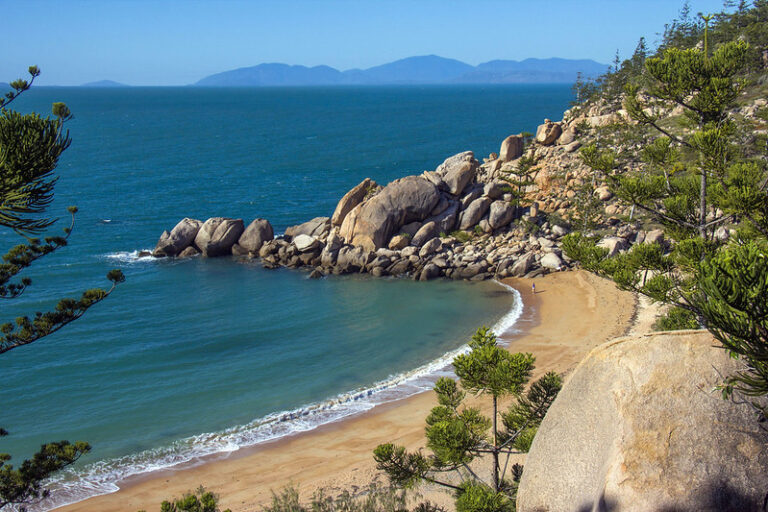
638 427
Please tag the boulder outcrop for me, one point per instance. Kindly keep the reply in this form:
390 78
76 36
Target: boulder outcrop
317 227
351 199
547 133
181 236
372 223
254 236
638 427
511 148
217 235
458 171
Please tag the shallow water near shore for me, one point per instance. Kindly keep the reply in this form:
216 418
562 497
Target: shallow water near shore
195 357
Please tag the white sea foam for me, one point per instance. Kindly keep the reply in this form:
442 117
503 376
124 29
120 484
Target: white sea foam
103 477
130 256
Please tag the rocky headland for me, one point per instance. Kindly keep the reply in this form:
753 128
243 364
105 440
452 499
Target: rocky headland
459 221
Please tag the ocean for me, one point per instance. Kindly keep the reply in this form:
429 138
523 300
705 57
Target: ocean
194 357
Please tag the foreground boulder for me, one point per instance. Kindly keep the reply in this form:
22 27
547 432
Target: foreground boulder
637 427
372 223
180 237
217 236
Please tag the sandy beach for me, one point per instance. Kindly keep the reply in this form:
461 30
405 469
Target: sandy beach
571 313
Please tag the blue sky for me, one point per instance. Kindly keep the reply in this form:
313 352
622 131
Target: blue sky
175 42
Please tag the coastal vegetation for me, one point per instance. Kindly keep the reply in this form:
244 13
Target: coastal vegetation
458 434
30 147
686 161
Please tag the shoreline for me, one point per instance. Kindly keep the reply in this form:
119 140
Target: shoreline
581 311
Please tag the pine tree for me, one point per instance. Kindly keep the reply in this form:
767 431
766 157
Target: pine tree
695 175
458 434
30 147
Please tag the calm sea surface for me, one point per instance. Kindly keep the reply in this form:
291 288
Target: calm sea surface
194 357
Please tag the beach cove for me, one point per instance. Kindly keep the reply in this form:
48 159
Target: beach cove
571 313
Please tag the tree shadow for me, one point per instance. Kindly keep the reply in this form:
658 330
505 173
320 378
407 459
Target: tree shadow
718 496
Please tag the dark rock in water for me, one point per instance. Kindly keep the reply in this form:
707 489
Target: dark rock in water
372 224
401 266
189 252
353 259
430 271
180 237
217 236
351 199
239 250
269 248
481 277
144 254
254 236
378 272
317 227
316 274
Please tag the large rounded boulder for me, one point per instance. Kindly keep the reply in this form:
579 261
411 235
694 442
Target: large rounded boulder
180 237
351 199
254 236
217 236
639 426
458 171
371 224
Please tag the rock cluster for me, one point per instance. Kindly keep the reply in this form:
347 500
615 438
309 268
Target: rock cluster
217 236
455 222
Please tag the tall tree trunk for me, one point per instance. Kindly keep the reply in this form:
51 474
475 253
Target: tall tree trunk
703 205
496 485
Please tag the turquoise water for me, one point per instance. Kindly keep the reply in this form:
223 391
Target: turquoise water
195 357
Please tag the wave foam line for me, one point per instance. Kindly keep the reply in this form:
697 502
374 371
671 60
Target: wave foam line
130 256
101 477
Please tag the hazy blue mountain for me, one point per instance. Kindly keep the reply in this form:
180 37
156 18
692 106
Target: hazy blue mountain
532 70
104 83
4 85
425 69
428 69
274 74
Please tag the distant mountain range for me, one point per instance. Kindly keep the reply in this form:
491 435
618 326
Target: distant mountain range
429 69
104 83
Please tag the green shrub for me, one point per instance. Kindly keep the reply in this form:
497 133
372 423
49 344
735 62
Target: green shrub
677 319
461 236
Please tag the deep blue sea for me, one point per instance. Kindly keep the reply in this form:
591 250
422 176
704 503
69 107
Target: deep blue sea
194 357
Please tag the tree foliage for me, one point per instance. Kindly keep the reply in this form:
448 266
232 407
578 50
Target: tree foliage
30 147
457 434
695 169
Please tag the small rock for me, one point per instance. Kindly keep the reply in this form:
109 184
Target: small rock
431 247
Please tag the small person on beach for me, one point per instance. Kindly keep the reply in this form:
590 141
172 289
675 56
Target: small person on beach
533 288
